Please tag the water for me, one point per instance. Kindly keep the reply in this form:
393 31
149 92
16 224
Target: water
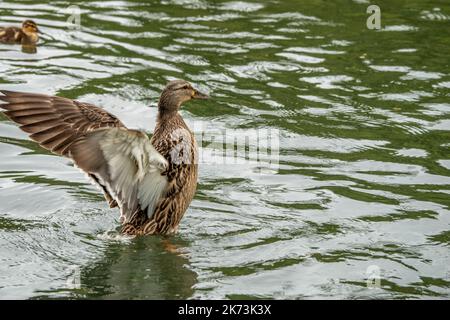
362 190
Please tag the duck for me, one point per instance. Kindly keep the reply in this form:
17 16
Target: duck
151 181
26 35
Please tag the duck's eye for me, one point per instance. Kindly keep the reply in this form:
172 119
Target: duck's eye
183 87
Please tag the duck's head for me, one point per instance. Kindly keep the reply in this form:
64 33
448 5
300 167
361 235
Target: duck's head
176 93
29 27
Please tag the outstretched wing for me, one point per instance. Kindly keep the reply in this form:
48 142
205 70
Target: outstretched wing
126 163
54 122
123 162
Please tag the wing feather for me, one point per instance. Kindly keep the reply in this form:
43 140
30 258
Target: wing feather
54 122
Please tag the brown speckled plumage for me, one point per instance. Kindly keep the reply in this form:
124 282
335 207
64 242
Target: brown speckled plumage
181 175
151 181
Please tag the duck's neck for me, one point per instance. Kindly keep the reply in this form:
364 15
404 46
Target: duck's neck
165 115
167 121
29 38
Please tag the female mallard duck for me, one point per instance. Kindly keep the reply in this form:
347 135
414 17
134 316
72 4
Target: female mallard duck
27 35
151 181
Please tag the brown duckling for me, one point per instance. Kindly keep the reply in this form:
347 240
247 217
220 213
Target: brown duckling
27 35
151 181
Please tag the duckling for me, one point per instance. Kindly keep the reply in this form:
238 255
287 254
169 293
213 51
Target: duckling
151 181
27 35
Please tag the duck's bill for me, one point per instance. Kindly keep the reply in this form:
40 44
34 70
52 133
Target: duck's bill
199 95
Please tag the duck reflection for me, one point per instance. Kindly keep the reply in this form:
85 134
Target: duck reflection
146 268
29 48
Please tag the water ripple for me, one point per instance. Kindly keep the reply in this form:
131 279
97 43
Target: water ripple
363 177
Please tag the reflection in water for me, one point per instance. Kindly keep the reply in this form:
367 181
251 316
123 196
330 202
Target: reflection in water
141 269
29 48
